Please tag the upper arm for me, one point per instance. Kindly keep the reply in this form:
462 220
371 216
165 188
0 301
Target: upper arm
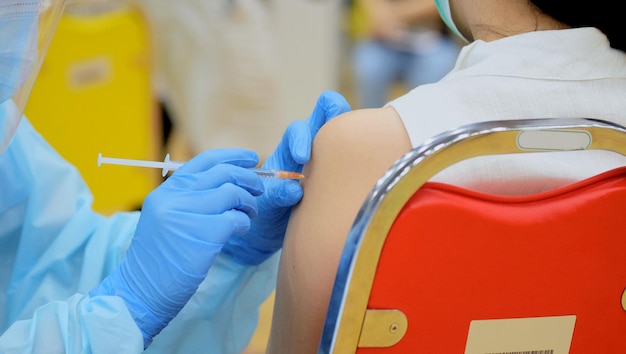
350 153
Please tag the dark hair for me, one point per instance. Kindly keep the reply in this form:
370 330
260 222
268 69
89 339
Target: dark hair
606 16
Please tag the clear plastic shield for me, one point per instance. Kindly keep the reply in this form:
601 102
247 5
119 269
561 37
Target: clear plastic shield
26 28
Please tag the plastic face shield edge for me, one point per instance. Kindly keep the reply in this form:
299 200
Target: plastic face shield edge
26 28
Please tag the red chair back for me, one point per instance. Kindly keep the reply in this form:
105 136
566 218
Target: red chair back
454 256
433 268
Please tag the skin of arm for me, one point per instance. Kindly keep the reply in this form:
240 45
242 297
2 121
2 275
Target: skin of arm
388 18
350 153
416 11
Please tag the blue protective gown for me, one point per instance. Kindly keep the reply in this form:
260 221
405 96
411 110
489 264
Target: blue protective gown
54 248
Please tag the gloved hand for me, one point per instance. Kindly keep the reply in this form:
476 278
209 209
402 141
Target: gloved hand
183 226
268 229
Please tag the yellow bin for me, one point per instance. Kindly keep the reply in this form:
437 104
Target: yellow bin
94 94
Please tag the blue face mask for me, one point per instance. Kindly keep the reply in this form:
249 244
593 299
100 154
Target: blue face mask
19 21
443 6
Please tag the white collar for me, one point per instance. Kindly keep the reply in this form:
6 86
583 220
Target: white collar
571 54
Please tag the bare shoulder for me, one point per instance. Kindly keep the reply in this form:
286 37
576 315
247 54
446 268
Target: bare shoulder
351 152
375 138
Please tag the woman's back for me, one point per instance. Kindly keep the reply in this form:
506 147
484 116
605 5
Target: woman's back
549 74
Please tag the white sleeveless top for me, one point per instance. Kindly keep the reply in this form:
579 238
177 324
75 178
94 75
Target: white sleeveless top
548 74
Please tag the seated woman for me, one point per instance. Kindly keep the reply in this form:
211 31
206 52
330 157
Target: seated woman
525 59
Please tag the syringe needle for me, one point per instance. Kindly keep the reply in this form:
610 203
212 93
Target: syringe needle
277 174
169 165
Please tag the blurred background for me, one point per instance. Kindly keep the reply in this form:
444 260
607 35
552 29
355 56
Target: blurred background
139 79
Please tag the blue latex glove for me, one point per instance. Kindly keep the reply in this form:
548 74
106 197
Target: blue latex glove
183 226
268 229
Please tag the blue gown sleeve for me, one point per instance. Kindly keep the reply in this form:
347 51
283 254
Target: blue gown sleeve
54 249
222 315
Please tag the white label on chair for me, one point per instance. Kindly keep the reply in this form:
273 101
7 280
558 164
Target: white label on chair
540 335
553 139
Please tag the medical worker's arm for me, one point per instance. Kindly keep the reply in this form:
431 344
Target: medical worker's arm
222 315
183 225
54 248
349 155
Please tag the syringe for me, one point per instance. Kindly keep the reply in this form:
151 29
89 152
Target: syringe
169 165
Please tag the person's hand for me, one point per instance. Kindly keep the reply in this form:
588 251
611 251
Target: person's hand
268 229
183 226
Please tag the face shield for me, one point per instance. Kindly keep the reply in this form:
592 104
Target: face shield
26 28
